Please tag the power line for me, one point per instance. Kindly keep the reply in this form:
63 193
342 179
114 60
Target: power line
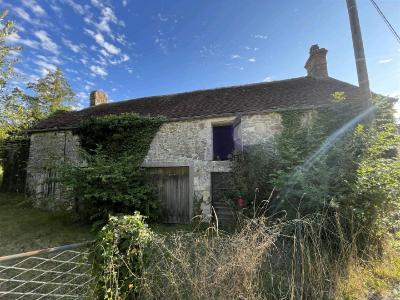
396 35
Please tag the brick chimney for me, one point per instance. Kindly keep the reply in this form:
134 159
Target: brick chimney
316 64
97 98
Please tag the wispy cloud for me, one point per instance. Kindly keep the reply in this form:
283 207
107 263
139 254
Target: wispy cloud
46 42
34 7
23 14
267 79
235 56
78 8
385 61
99 38
17 40
97 70
162 18
252 59
73 47
124 3
260 36
45 67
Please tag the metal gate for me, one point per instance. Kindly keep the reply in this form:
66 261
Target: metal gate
173 193
54 273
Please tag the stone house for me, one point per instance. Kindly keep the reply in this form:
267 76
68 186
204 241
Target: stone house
192 148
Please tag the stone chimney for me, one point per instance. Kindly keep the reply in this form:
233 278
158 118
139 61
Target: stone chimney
97 98
316 64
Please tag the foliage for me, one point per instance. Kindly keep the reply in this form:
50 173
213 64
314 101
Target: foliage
262 259
7 57
52 93
118 257
7 62
15 158
111 179
357 174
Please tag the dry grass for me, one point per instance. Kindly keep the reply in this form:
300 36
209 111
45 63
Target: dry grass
212 265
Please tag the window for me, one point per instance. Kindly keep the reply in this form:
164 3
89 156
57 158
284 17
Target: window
223 143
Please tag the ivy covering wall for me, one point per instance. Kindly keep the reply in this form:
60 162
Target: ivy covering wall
14 158
357 175
110 179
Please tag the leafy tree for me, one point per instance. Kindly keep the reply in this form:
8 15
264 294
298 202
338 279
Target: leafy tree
52 93
7 57
7 62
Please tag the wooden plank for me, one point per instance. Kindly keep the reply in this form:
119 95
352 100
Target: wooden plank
173 192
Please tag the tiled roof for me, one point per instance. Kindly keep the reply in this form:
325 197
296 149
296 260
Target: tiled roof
297 93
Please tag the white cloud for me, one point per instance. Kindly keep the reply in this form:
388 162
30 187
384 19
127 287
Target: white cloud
53 60
16 39
84 61
260 36
23 14
107 17
252 59
96 70
123 58
235 56
46 67
73 47
161 18
46 42
385 61
267 79
76 7
124 3
34 7
99 38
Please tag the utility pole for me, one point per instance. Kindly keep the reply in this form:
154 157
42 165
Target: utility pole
361 64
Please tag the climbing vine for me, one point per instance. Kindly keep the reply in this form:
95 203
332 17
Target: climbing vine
357 174
110 180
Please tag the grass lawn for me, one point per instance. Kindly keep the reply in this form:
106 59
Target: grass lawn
23 228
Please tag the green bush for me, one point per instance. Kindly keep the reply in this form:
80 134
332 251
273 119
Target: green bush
359 175
118 257
110 178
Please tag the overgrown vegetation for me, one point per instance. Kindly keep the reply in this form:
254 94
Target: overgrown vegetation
263 259
21 108
312 226
357 175
111 179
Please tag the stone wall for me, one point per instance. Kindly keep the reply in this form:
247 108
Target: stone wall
190 143
181 143
47 149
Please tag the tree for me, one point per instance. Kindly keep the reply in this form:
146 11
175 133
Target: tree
53 93
7 57
7 62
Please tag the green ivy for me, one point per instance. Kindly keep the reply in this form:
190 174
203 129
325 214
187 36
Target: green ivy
111 180
118 257
359 176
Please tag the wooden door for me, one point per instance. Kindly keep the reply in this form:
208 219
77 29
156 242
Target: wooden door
173 193
220 187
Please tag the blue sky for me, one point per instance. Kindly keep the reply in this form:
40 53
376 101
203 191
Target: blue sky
132 48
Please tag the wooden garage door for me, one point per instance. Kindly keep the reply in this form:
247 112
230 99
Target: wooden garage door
173 193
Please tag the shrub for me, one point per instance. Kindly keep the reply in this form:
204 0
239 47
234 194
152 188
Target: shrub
110 178
118 255
322 168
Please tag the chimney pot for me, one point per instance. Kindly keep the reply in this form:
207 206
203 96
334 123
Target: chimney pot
316 64
97 98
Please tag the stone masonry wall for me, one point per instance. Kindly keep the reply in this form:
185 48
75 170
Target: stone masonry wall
46 149
190 142
182 143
